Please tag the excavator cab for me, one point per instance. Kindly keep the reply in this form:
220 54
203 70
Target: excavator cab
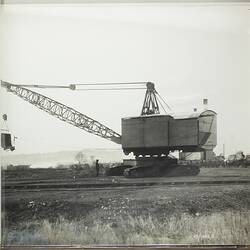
6 138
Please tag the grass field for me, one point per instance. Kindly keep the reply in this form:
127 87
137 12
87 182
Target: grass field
196 214
218 228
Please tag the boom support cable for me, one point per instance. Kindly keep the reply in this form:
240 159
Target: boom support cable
113 86
163 101
113 83
110 89
162 106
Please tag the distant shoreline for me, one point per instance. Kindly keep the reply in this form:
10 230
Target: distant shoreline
52 159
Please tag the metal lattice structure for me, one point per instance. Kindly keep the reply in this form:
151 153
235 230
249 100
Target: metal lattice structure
150 105
63 112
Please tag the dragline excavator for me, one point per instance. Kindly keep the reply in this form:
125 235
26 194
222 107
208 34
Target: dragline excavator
150 136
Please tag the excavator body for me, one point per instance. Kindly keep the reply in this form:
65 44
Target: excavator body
160 134
151 139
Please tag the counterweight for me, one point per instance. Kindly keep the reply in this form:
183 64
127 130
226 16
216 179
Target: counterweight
63 112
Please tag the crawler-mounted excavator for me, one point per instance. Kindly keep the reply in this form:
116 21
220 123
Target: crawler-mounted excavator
150 137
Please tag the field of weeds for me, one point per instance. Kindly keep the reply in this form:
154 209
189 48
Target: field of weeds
198 214
217 228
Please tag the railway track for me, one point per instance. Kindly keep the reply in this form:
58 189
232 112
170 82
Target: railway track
36 185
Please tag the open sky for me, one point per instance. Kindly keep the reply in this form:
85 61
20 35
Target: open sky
189 51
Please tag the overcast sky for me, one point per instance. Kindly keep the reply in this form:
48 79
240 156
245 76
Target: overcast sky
190 52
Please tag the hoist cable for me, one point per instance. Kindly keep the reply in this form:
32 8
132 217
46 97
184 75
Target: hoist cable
5 126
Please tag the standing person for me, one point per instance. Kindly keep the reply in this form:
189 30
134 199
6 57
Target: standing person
97 167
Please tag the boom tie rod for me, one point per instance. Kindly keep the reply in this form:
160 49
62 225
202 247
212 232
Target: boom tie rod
110 89
115 86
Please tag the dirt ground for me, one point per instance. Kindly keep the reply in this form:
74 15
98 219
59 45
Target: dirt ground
110 203
107 204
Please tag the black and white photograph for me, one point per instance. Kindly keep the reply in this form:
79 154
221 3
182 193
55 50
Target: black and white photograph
125 123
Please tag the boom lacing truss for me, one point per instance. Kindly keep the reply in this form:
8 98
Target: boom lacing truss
63 112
